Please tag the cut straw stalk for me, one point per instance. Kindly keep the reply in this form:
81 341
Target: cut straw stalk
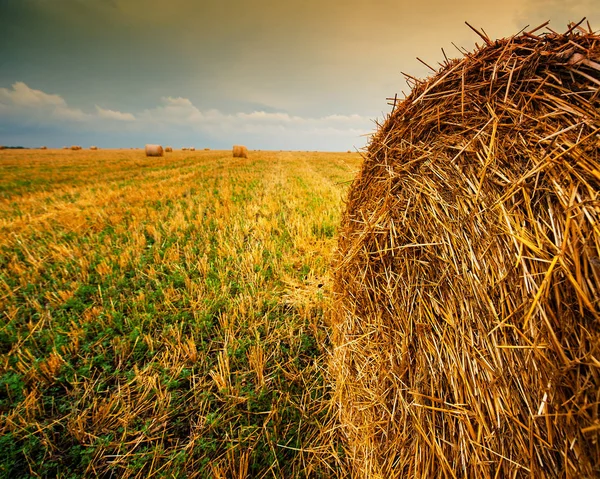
466 329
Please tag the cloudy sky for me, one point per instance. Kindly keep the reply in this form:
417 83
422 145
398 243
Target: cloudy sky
271 74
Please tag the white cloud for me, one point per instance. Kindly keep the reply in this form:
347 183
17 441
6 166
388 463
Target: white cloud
257 129
179 101
69 114
114 115
24 102
182 112
178 116
22 95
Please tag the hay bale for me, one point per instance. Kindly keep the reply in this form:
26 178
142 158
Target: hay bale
206 149
43 147
93 147
154 150
466 321
168 149
75 147
192 149
240 151
184 149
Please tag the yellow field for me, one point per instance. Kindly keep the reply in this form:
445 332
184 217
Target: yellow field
165 317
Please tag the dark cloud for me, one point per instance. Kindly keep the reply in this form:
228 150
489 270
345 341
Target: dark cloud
309 58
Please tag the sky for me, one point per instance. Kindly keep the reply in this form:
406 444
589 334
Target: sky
284 74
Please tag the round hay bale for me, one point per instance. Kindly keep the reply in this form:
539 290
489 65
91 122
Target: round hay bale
93 147
43 147
466 322
154 150
75 147
240 151
168 149
206 149
192 149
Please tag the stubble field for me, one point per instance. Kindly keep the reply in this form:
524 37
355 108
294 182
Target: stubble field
166 317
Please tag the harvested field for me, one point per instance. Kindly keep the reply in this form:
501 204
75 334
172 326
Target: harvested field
166 318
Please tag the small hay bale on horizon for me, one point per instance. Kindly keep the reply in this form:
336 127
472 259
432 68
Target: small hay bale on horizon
466 321
43 147
154 150
240 151
192 149
93 147
168 149
75 147
206 149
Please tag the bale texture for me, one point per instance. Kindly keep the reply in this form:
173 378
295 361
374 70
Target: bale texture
466 320
75 147
154 150
168 149
240 151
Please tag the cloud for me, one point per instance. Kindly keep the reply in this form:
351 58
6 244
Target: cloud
256 127
24 102
114 115
177 102
21 102
178 117
22 95
69 114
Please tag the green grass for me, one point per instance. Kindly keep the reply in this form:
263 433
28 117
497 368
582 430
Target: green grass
166 317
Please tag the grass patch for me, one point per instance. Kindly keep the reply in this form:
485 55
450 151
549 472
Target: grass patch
166 317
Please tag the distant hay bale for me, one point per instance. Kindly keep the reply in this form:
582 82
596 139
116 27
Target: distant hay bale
65 147
192 149
184 149
43 147
93 147
240 151
154 150
206 149
466 325
75 147
349 151
168 149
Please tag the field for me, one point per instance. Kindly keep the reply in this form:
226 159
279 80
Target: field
167 317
